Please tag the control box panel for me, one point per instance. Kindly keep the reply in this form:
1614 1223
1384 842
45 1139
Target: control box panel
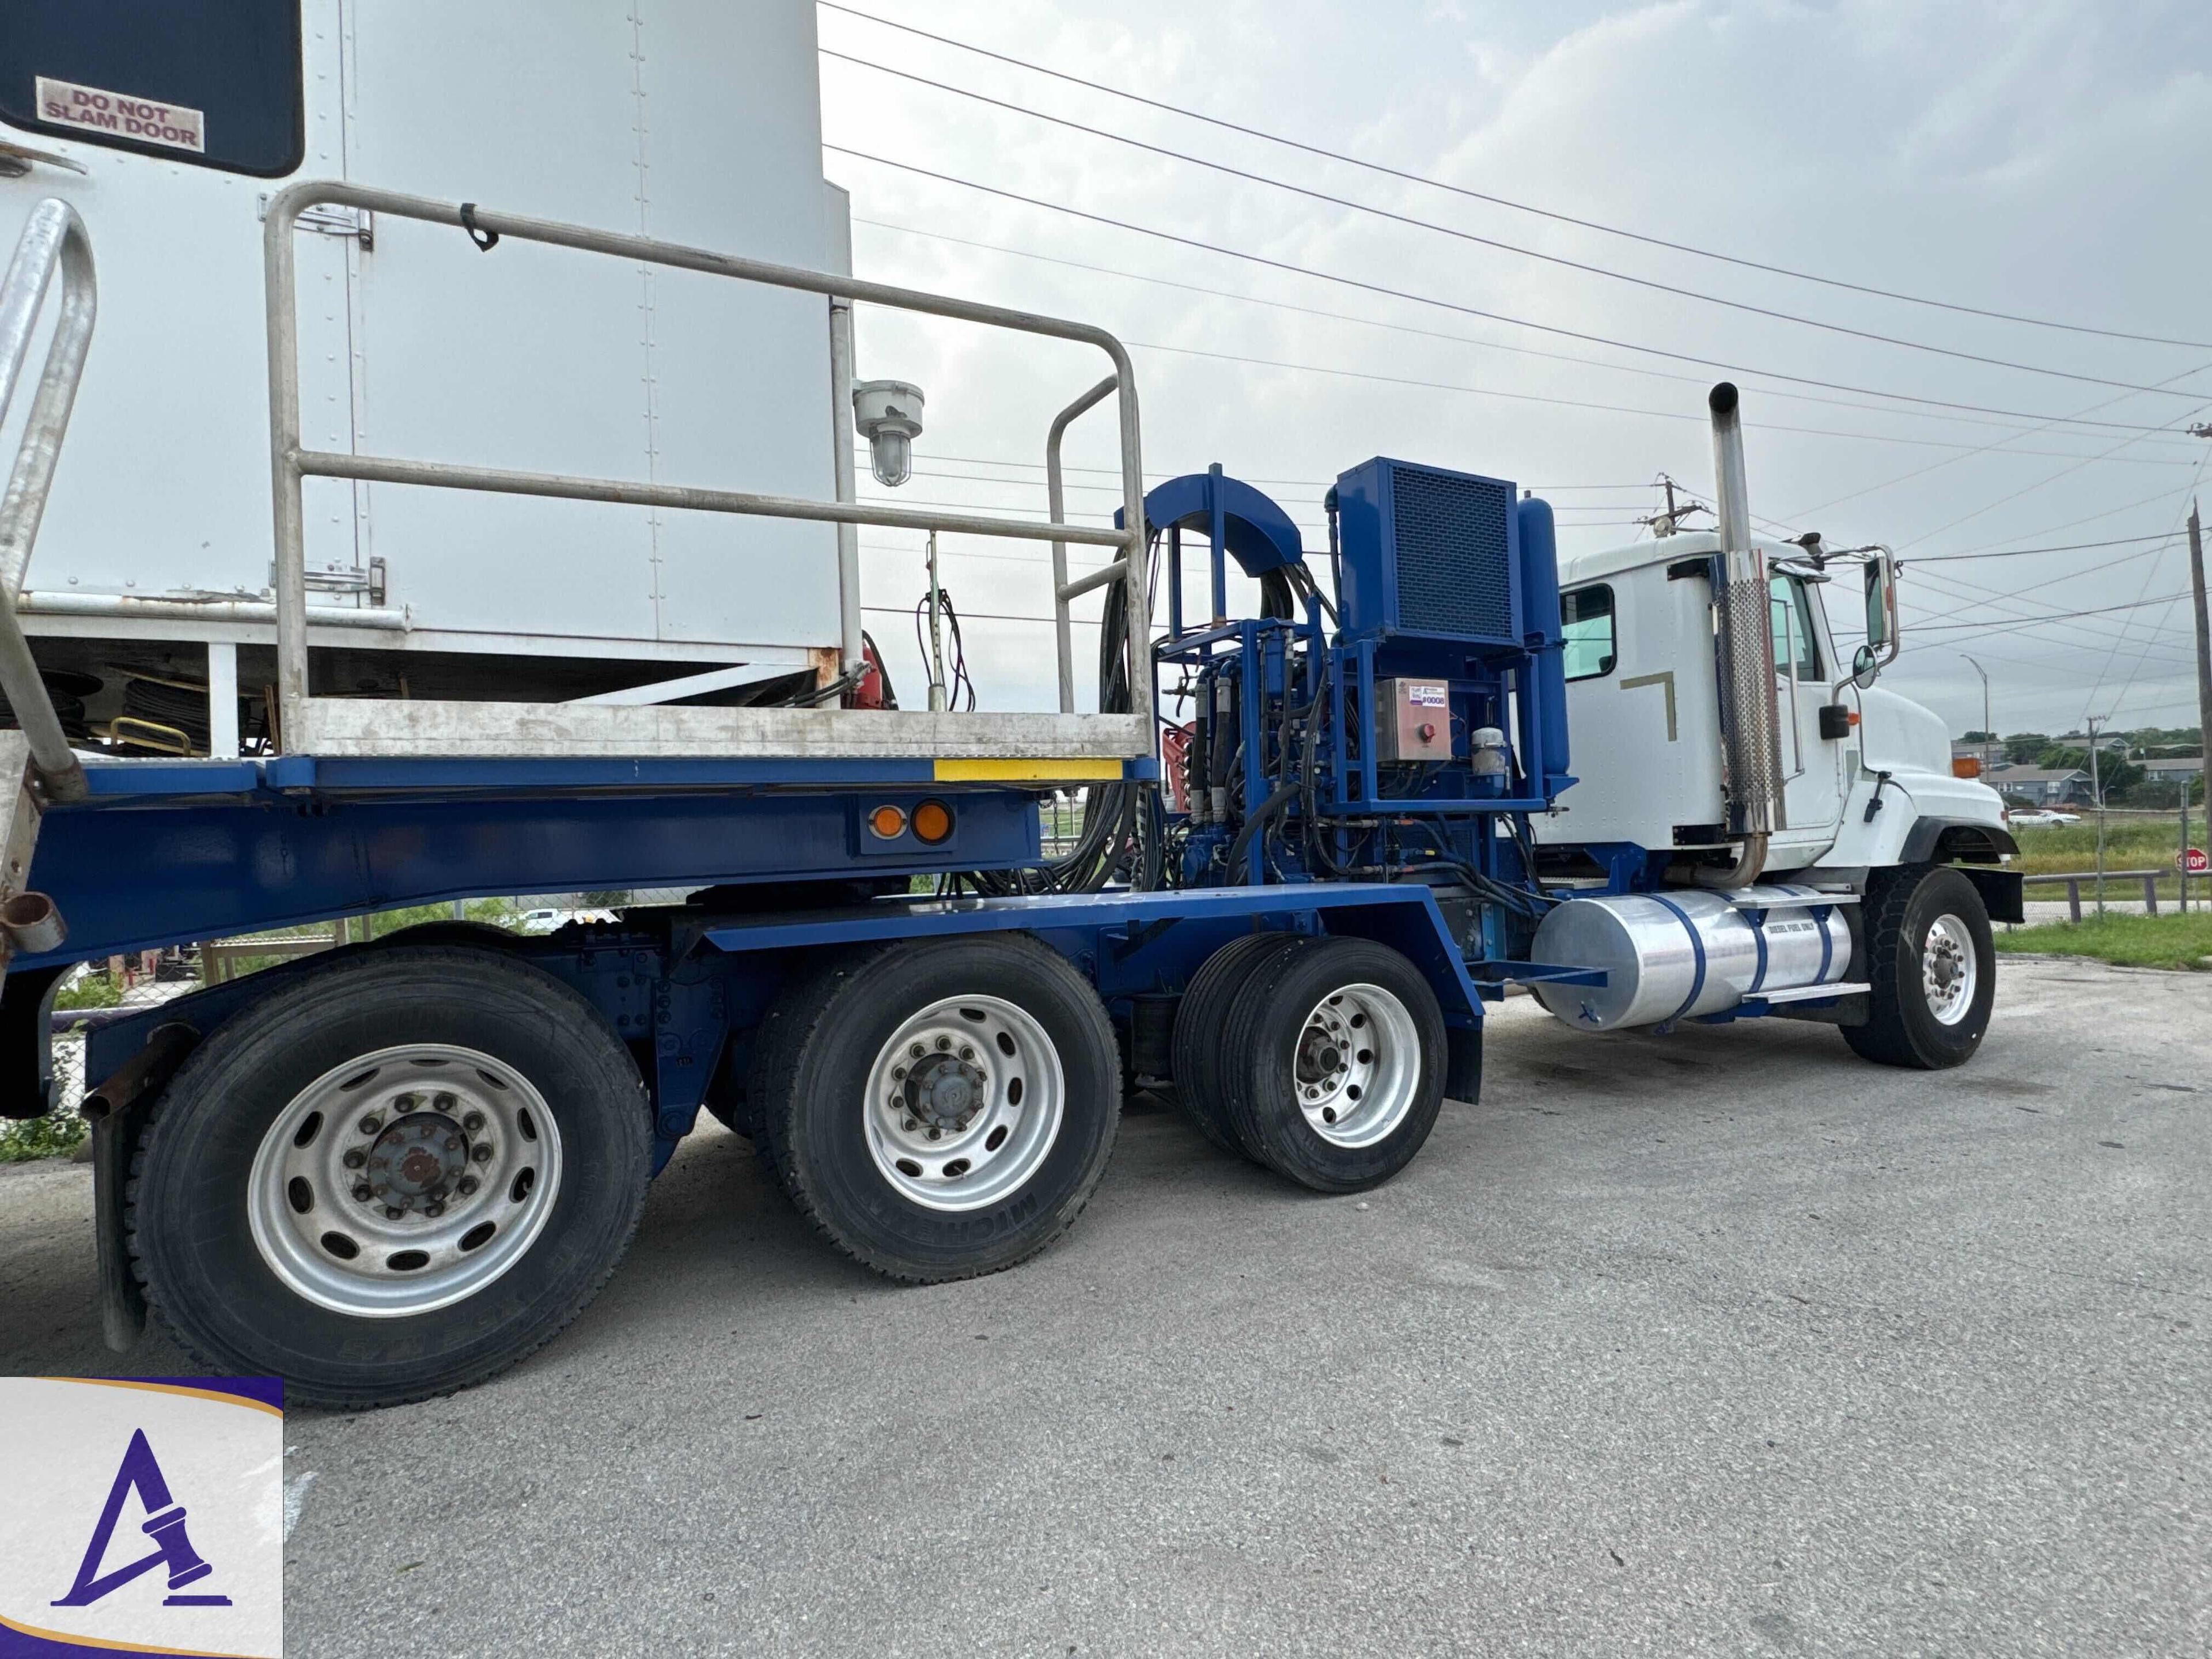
1413 719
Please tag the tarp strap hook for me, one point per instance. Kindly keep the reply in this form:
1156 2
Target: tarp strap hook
486 241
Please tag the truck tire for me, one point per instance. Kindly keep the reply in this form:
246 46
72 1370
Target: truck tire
942 1108
734 1098
1198 1025
1334 1067
1932 967
394 1175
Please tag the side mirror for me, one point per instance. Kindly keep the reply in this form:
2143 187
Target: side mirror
1866 666
1881 603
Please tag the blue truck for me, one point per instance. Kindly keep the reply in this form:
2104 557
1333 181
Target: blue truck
1313 842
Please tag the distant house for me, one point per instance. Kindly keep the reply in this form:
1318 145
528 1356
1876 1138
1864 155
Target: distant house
2046 786
2171 771
2081 740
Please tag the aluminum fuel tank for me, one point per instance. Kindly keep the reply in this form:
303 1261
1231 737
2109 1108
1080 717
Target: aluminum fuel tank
1688 951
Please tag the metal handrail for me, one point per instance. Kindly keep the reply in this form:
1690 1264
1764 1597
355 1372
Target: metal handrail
290 465
1055 496
53 236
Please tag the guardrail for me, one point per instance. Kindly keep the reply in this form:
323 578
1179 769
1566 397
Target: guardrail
53 238
291 464
2150 880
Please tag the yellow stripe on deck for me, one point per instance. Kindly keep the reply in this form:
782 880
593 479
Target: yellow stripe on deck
1020 771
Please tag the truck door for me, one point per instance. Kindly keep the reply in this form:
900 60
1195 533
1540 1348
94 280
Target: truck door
1812 766
167 123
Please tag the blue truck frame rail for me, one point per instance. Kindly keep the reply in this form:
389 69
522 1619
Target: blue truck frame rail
684 986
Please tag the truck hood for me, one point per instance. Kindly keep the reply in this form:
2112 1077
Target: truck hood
1896 734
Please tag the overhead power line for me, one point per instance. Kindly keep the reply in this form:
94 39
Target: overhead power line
2008 612
2026 552
2024 428
2010 626
2087 517
1387 171
1584 266
1388 291
2005 444
1560 403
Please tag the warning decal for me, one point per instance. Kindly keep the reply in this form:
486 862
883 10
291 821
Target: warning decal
64 103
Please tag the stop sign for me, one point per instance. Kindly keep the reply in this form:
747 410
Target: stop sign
2193 861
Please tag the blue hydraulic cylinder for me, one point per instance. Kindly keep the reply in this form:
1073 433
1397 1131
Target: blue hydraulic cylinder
1545 638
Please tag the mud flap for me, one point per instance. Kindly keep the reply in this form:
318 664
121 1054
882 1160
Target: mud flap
1463 1063
122 1302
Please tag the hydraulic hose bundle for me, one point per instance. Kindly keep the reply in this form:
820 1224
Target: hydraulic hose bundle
1120 833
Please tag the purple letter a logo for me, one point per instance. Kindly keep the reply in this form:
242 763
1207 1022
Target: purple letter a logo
165 1525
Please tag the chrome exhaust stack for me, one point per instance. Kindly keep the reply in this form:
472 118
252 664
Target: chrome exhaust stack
1750 722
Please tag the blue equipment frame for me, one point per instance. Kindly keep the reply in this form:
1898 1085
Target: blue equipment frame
163 853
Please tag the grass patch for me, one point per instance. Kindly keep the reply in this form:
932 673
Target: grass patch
2130 843
90 990
2129 941
22 1139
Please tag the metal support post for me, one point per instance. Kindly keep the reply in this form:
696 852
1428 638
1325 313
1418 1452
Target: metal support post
840 442
222 700
937 699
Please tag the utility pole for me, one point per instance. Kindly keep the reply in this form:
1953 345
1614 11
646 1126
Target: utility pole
1669 523
1989 732
2204 655
2096 794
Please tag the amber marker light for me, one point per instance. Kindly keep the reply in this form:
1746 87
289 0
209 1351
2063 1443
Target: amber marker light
889 823
932 822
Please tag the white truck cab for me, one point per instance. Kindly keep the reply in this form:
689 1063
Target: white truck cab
1644 704
1741 786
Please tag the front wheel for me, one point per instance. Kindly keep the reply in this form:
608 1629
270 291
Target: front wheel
1932 963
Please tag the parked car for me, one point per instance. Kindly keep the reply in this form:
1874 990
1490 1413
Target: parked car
547 920
2040 817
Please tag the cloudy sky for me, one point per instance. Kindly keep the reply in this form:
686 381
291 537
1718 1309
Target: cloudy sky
2045 160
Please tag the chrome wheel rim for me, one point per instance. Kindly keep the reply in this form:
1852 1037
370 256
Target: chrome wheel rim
964 1103
1357 1066
1948 970
405 1180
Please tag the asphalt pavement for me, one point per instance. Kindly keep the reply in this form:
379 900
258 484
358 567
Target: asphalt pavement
1725 1342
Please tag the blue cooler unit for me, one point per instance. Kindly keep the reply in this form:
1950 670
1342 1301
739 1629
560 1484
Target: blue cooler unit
1430 553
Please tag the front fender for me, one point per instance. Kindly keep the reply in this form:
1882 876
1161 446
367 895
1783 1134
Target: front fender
1923 815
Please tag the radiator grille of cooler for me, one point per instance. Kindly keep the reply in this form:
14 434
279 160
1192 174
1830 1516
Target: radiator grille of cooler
1452 554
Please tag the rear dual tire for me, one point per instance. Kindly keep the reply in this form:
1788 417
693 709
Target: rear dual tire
1197 1057
1322 1059
939 1109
